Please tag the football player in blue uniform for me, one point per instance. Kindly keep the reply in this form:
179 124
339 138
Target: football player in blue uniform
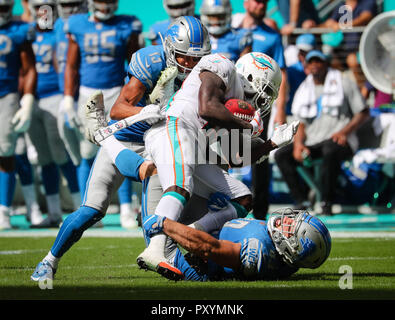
248 249
216 15
175 9
16 54
65 9
43 131
144 71
100 43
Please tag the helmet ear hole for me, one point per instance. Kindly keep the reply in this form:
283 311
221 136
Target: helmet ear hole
250 77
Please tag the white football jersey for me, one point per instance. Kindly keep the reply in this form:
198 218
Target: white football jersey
185 103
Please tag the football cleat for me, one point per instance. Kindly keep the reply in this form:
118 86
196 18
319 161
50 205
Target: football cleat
164 88
153 261
95 116
4 218
48 223
43 271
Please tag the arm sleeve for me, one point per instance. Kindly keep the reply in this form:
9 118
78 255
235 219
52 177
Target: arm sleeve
251 257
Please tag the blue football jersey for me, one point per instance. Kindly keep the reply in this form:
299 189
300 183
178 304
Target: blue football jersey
103 48
44 48
156 29
258 255
145 65
232 43
62 44
12 36
268 41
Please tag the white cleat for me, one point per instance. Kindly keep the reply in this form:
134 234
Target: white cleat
5 218
35 215
164 87
94 115
43 271
151 259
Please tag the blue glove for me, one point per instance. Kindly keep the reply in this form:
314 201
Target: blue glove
153 224
217 201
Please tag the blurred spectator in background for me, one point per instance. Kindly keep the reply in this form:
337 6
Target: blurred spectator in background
216 15
345 56
175 9
26 15
268 41
330 109
296 72
297 14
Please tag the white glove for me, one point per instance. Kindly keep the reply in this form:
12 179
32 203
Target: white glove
155 110
22 118
257 125
284 134
71 112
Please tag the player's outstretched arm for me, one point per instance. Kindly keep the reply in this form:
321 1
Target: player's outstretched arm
224 253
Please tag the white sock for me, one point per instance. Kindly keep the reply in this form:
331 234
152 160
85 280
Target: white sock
169 207
215 220
125 208
53 261
112 146
76 199
54 208
30 196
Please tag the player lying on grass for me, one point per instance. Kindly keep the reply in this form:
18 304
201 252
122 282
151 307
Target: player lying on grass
247 249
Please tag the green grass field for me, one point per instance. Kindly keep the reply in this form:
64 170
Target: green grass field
105 268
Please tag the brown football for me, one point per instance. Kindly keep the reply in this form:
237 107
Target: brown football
241 109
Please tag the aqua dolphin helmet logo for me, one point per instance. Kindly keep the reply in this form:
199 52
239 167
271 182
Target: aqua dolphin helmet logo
262 62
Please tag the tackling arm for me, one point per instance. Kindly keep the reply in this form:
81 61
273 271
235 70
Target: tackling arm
224 253
211 104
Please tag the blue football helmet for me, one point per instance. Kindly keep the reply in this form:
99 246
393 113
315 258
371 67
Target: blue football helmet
301 239
186 36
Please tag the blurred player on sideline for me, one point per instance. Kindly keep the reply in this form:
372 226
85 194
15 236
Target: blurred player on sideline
175 9
43 131
16 54
143 86
216 15
99 44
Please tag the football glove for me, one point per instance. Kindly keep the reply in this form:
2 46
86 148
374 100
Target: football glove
257 125
217 201
164 88
153 224
154 109
284 134
22 118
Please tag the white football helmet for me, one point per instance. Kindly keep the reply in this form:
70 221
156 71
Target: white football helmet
103 10
186 36
301 239
261 78
178 8
66 8
48 8
220 8
6 16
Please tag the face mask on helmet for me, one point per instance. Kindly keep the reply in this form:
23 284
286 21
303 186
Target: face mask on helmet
301 239
186 36
66 8
6 11
261 79
178 8
43 12
216 16
103 9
